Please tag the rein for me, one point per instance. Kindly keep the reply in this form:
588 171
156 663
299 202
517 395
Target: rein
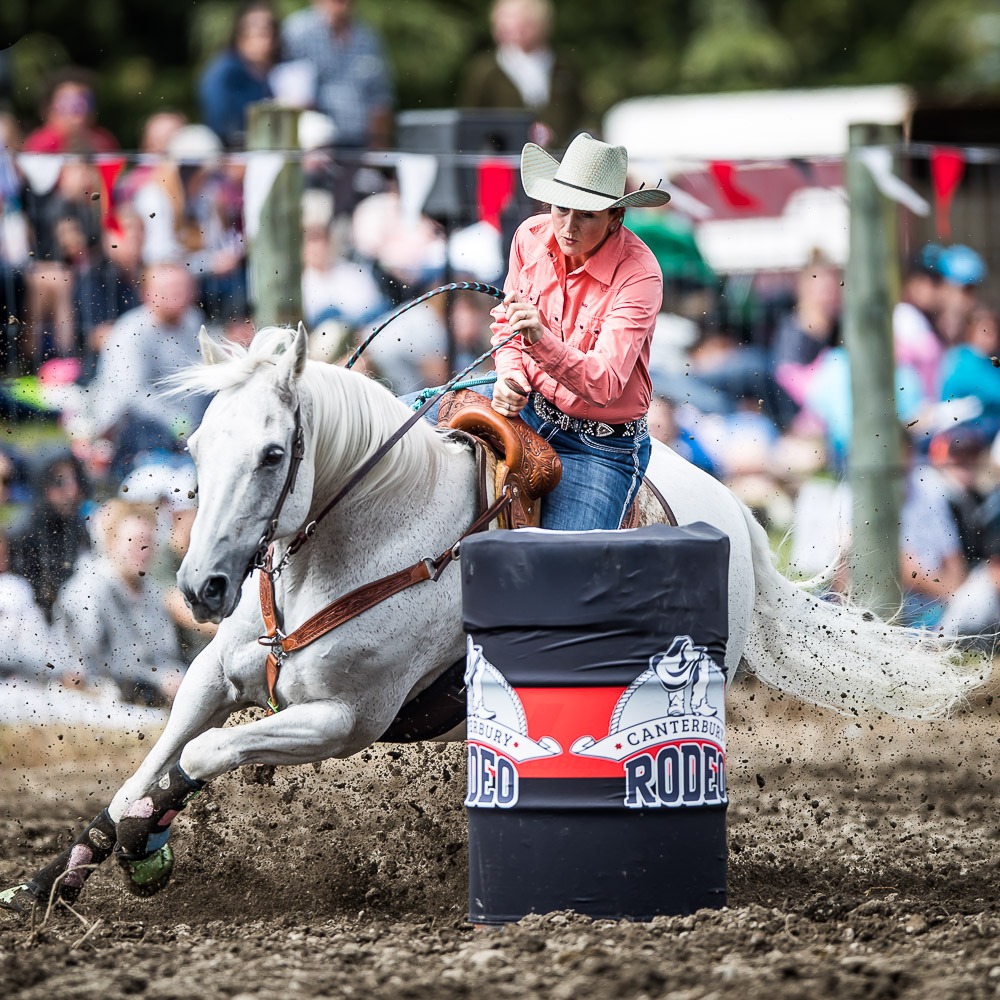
455 286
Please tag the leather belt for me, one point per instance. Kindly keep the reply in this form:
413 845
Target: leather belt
596 428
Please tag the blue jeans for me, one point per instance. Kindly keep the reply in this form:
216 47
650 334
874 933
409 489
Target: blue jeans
600 477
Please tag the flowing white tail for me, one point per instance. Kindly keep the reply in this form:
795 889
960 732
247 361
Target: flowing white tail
842 657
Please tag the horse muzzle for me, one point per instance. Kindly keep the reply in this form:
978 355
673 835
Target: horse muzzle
210 598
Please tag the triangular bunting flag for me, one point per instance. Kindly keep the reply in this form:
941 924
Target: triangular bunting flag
494 190
947 168
735 196
109 171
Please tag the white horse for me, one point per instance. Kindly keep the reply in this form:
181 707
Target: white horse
340 694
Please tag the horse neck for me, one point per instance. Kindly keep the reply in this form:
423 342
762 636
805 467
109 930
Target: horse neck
350 417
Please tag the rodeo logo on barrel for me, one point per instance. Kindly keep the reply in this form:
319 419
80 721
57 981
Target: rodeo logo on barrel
497 734
668 730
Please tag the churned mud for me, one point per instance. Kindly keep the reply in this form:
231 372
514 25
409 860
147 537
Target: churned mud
863 863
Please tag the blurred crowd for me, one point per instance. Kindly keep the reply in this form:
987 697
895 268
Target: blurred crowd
109 267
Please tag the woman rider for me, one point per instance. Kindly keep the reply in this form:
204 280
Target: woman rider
583 293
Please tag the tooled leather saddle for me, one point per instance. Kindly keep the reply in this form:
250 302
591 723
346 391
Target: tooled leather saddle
513 455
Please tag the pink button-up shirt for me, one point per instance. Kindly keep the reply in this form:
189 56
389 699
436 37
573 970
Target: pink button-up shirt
593 363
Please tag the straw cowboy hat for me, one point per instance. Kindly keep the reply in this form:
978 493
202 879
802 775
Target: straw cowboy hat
590 178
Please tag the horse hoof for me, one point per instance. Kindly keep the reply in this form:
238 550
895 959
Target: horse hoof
19 899
146 876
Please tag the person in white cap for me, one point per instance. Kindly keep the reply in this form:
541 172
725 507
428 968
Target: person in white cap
583 293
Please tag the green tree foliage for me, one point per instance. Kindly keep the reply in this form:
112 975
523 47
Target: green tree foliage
148 53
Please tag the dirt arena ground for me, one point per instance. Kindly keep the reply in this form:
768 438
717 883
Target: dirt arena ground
861 865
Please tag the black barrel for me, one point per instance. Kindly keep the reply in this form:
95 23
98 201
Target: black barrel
596 721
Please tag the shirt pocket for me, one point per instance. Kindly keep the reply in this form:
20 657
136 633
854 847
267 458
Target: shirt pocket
587 329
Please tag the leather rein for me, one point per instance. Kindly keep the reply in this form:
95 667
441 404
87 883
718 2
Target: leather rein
363 598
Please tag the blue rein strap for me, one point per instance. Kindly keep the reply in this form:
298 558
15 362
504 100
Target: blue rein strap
470 383
455 286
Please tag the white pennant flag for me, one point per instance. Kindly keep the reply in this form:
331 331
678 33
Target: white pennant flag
261 173
879 164
416 173
41 170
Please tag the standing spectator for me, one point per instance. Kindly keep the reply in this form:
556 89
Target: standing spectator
146 344
45 547
238 76
353 85
112 617
70 118
523 71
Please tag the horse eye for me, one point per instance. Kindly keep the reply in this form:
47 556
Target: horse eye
272 456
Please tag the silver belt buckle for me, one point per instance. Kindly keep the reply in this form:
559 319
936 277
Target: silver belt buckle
602 430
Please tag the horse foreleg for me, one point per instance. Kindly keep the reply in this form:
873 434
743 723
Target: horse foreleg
299 734
201 702
144 807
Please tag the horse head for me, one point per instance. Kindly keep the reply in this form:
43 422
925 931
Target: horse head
243 451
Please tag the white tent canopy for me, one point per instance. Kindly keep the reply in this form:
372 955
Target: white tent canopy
756 125
666 136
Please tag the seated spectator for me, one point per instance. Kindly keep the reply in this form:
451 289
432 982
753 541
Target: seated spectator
113 618
211 225
958 457
124 402
169 487
932 565
98 291
15 240
664 427
237 77
974 611
334 287
915 339
29 648
69 116
49 305
968 369
962 271
46 543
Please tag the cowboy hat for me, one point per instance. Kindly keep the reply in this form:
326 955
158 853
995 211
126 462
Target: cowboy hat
590 178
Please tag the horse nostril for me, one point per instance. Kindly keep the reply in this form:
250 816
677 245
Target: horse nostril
214 591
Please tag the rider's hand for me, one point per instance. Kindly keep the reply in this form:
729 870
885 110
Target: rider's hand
522 318
506 399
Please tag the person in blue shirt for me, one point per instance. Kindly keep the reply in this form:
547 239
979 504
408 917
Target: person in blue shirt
238 76
971 369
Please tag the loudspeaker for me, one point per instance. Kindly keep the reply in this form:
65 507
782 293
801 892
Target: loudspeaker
469 131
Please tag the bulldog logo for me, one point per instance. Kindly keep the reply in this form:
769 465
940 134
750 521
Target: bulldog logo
668 731
497 734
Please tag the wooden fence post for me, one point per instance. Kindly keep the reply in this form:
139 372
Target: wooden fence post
275 255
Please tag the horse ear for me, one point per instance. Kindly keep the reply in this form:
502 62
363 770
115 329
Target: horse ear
211 352
293 362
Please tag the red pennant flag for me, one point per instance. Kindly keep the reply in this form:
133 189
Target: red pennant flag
109 171
494 190
947 168
735 196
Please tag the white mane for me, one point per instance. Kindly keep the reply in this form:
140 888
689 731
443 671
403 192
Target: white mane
353 415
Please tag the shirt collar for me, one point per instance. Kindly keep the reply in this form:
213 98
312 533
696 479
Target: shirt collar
601 267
